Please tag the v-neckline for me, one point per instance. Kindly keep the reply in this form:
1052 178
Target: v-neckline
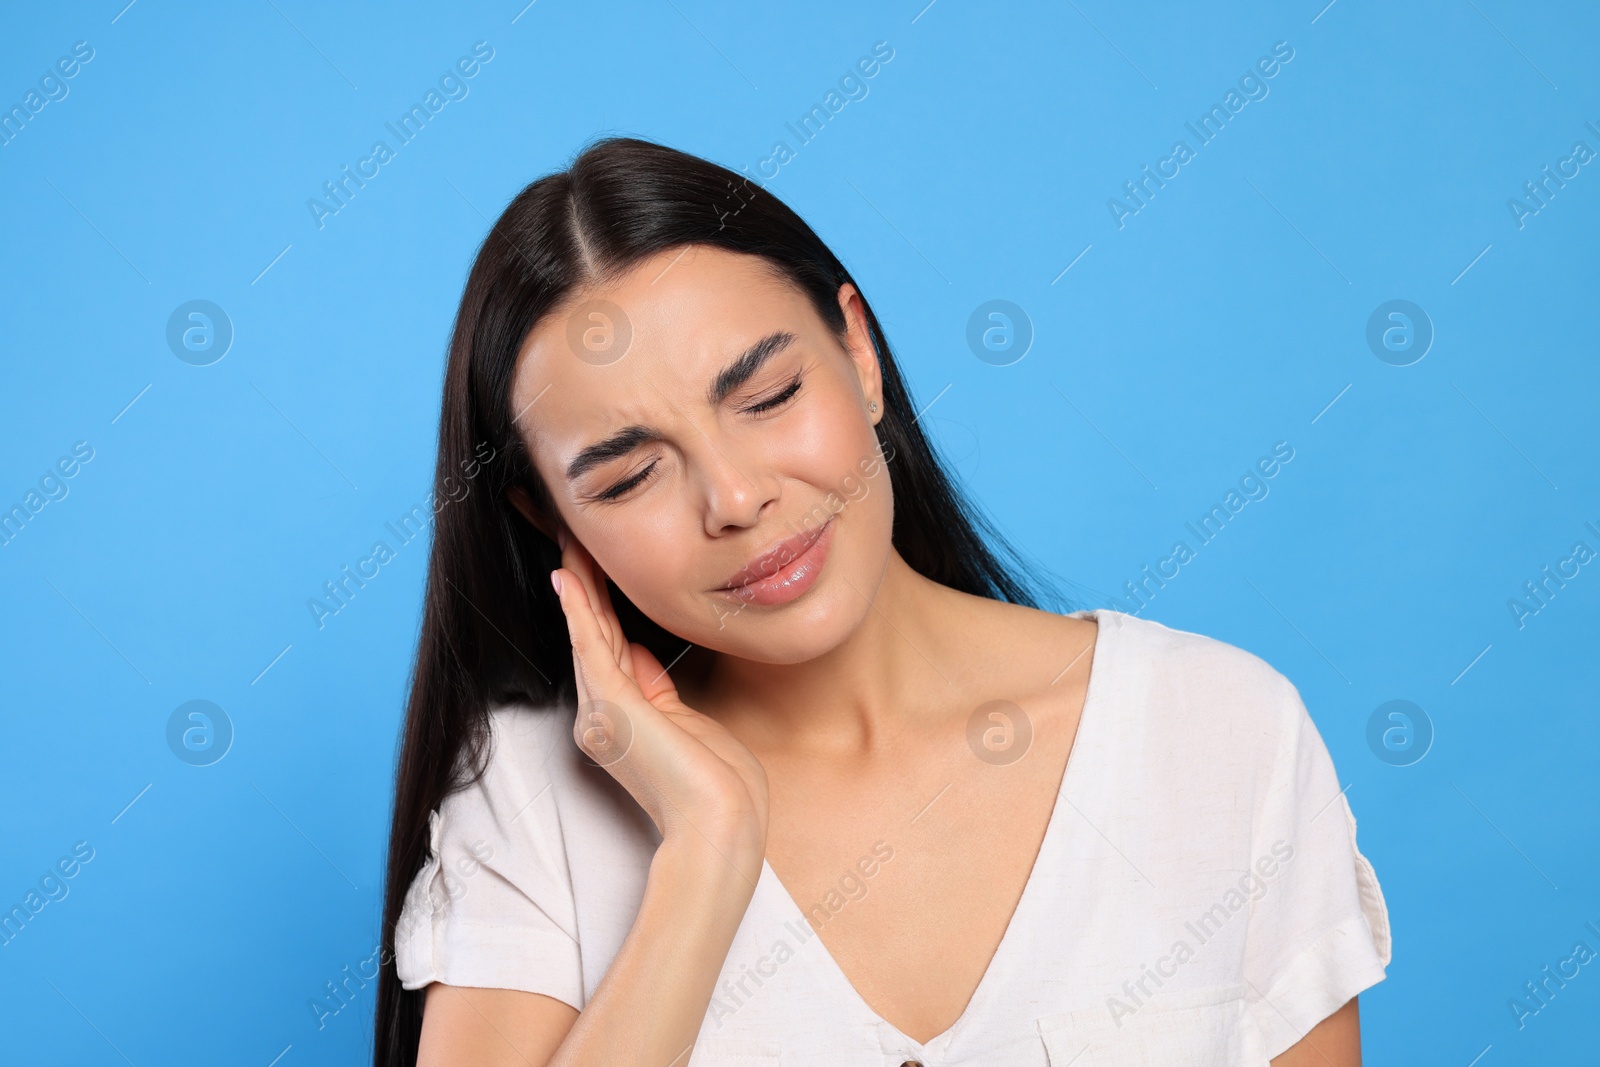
1092 694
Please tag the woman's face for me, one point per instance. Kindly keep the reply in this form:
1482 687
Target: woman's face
710 442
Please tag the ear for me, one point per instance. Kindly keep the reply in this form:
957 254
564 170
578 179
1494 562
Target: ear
519 500
858 343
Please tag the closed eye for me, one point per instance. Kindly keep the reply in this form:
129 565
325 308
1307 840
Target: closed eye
772 403
777 400
627 485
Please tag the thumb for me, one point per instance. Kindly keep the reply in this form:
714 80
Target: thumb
651 677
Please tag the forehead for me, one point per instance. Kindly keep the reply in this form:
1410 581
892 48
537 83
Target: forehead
611 353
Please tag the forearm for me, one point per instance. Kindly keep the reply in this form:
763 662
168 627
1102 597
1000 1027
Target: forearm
649 1007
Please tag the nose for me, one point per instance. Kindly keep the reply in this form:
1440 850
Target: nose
737 488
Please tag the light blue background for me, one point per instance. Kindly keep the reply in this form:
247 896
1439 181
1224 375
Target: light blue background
1228 314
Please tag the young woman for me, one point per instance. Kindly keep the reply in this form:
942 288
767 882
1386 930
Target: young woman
731 740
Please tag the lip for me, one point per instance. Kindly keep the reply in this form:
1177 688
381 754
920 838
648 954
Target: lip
785 571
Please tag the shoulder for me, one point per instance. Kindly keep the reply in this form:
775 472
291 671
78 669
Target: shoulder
535 867
502 793
536 781
1193 660
537 809
524 737
1223 697
520 752
1194 666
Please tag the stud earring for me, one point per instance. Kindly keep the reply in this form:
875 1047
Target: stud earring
874 405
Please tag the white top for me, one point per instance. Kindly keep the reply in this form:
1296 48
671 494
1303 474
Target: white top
1198 897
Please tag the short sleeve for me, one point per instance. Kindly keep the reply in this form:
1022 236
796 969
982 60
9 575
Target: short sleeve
492 906
1319 932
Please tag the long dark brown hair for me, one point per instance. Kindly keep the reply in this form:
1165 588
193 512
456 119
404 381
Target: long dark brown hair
492 629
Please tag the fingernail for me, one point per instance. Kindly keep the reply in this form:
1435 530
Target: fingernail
555 581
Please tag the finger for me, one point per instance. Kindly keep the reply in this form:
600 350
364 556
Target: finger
580 682
600 596
577 559
608 612
603 727
586 637
599 675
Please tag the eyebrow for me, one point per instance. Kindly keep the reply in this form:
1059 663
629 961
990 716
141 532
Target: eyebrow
727 380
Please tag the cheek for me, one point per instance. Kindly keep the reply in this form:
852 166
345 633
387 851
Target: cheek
653 569
647 553
828 447
833 449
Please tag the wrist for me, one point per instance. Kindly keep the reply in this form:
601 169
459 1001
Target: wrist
728 868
